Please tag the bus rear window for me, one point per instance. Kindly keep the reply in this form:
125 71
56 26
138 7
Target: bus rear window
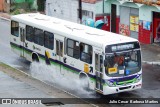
15 28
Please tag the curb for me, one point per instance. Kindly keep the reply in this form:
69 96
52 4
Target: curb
49 84
4 18
151 63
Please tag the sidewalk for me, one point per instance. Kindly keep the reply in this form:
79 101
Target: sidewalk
4 15
150 53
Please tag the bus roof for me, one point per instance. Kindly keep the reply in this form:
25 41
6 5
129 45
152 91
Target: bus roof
71 30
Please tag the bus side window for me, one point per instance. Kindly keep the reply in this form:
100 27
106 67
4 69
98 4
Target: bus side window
15 28
38 36
96 62
73 48
49 40
29 33
86 53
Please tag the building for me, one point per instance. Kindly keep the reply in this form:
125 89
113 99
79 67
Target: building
4 5
1 5
138 19
69 10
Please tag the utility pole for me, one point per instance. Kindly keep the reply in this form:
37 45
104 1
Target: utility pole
80 10
103 6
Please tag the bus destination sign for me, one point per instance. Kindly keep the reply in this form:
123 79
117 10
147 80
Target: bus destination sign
122 47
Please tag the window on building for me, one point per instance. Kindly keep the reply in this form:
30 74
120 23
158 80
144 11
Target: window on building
88 14
15 28
48 40
38 36
85 15
86 53
29 33
73 48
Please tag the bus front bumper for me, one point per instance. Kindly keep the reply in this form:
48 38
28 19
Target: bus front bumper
112 90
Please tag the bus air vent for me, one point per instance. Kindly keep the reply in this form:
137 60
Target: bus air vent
44 19
73 28
56 22
96 34
32 15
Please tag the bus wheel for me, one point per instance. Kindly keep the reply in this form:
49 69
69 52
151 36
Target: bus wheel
84 81
35 58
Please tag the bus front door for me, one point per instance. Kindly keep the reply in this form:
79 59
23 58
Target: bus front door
22 39
59 54
99 72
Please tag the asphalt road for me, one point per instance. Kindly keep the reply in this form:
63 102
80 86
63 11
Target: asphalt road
151 73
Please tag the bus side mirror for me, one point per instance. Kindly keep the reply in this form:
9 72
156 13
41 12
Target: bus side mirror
105 62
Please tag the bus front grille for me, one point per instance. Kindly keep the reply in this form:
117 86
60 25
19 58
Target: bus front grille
123 88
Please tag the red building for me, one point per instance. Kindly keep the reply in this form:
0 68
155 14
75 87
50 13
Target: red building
135 18
4 5
1 5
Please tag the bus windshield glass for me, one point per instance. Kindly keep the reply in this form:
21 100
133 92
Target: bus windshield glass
122 59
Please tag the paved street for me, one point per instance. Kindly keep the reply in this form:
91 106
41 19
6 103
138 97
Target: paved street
151 53
17 84
12 88
151 73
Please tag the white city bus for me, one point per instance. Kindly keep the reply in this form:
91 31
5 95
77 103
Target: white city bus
110 62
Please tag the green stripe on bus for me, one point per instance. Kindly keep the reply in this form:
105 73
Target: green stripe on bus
129 81
53 63
16 47
28 52
20 49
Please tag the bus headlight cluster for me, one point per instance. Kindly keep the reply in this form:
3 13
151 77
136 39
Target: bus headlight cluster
109 83
138 78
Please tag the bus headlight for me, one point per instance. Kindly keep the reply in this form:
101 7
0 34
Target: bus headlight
109 83
138 78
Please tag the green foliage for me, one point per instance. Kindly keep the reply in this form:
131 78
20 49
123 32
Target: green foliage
18 11
19 8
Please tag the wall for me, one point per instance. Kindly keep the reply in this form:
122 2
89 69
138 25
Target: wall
146 12
146 36
99 8
59 8
66 9
1 5
7 7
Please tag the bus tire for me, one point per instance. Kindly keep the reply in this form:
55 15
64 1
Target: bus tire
84 81
35 57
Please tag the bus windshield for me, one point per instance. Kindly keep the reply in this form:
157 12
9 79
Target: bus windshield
123 61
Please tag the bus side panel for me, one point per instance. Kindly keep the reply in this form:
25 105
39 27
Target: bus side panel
15 44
